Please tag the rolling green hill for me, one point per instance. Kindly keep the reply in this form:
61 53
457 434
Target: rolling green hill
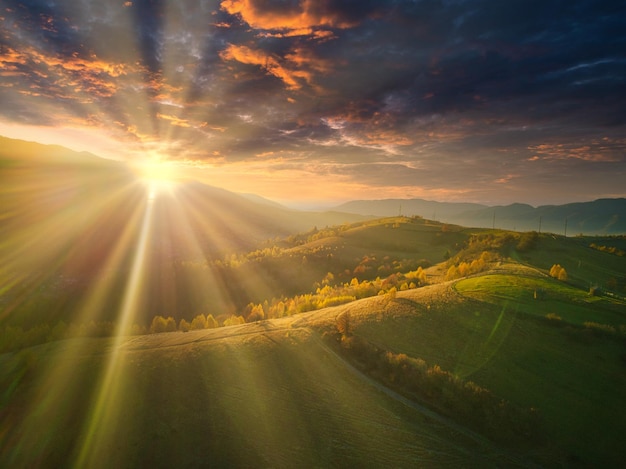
282 393
249 396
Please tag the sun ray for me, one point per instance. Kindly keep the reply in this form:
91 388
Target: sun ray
108 400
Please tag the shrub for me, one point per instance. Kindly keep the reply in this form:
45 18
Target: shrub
554 319
600 329
473 404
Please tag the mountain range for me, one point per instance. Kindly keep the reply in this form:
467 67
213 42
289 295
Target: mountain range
42 180
602 216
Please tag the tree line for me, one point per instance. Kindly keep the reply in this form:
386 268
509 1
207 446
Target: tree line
327 294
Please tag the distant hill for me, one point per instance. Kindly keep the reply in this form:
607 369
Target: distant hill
261 200
70 221
430 209
602 216
41 181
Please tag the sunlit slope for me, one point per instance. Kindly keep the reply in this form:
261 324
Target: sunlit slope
273 393
267 395
396 237
365 250
588 260
489 329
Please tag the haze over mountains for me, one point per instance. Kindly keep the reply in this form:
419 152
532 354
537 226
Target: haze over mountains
45 168
602 216
32 172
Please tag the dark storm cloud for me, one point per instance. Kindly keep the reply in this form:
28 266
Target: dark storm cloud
393 93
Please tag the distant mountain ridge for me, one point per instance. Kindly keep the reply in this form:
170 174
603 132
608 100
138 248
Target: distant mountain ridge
602 216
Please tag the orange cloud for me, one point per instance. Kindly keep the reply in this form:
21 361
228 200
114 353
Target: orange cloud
10 59
301 19
595 150
388 137
304 58
246 55
206 125
90 75
177 121
505 179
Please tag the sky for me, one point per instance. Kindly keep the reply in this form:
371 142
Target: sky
316 102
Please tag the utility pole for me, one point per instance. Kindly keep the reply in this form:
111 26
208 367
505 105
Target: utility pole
566 227
540 224
493 225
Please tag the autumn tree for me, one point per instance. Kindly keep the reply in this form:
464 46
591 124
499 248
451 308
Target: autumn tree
256 313
211 322
199 322
343 324
558 272
170 324
234 320
183 325
158 325
452 273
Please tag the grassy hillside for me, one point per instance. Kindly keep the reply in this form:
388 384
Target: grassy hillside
587 259
494 363
490 330
250 396
277 393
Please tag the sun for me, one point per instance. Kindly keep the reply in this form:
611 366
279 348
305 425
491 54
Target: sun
157 176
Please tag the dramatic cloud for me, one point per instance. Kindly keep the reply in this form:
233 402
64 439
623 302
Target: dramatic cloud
297 18
483 100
